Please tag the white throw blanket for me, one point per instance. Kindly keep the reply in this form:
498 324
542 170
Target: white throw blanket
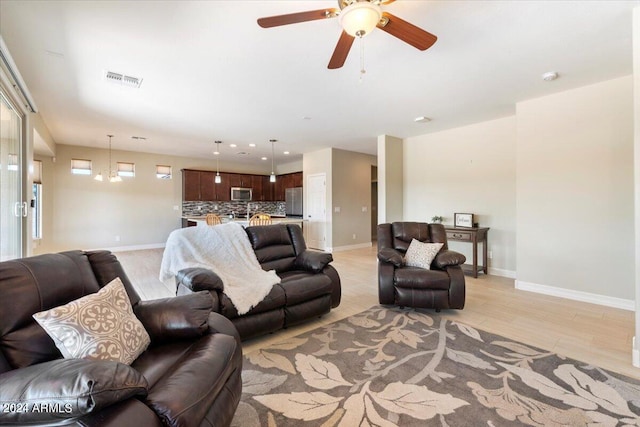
226 250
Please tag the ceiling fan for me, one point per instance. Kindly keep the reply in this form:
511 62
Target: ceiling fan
357 18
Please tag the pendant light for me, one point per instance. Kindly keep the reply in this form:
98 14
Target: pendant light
272 178
113 174
218 178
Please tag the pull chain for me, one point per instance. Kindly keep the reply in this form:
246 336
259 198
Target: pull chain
362 70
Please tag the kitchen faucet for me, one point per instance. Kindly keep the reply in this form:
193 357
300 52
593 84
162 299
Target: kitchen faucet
248 211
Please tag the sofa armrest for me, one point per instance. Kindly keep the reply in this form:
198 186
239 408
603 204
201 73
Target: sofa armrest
314 261
199 279
176 318
448 258
391 256
74 387
218 324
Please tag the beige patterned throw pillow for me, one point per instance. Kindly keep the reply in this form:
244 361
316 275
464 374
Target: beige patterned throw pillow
97 326
420 254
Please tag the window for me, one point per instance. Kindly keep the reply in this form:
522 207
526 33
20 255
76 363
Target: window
36 210
163 172
36 201
80 167
126 169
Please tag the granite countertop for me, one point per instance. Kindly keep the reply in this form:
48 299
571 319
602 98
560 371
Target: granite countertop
244 221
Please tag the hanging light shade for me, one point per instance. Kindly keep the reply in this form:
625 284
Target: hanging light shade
360 18
113 174
272 178
218 178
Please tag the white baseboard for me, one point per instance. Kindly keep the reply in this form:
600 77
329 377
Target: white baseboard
624 304
132 248
636 353
349 247
501 272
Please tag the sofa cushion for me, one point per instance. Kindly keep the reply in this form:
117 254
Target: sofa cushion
197 378
34 284
66 388
404 232
419 278
98 326
274 300
300 286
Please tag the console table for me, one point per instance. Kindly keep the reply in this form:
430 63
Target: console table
474 235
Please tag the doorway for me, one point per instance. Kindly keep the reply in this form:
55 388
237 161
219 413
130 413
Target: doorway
316 211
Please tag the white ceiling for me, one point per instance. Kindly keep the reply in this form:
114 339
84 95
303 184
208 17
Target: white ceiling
211 73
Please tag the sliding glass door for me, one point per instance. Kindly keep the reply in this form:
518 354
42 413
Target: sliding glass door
12 207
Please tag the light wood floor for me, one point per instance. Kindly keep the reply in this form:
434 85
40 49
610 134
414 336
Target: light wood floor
587 332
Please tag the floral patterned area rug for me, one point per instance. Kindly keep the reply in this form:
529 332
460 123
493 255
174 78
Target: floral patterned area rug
402 367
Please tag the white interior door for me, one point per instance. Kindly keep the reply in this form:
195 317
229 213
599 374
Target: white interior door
316 211
12 208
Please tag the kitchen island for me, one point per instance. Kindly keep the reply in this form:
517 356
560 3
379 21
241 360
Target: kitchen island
190 221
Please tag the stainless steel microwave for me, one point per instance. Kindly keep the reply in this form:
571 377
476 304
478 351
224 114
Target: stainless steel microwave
241 194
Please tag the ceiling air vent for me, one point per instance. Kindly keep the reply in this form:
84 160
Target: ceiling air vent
122 80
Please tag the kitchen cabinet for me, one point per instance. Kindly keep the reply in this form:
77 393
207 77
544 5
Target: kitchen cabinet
190 185
200 185
256 185
268 189
223 190
240 180
207 186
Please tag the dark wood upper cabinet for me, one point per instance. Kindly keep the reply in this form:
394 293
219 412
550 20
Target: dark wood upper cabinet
200 185
207 186
190 185
223 190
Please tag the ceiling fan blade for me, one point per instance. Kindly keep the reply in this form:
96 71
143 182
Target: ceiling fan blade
294 18
341 51
407 32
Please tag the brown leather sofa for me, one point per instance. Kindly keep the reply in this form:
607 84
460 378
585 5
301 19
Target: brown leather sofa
310 286
442 286
188 376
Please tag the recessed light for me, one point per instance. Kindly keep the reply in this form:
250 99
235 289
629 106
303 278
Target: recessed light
216 153
306 118
252 145
549 76
422 119
286 153
232 145
263 158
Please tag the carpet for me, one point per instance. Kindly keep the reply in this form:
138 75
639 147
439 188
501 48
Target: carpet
402 367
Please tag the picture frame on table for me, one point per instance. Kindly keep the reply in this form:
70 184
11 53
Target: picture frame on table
463 220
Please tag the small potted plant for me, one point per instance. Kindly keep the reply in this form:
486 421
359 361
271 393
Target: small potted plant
436 219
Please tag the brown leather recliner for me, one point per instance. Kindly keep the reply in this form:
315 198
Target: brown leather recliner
188 376
309 287
440 287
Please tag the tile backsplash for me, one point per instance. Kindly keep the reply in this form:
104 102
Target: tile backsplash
236 208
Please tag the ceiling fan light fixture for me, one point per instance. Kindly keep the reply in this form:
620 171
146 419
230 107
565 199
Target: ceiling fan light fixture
360 18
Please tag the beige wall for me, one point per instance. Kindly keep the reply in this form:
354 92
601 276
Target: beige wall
81 213
352 194
469 169
390 179
575 191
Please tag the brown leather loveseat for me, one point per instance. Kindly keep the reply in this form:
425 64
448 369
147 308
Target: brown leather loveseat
441 286
309 287
188 376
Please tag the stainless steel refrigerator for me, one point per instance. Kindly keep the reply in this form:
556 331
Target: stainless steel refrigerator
293 201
